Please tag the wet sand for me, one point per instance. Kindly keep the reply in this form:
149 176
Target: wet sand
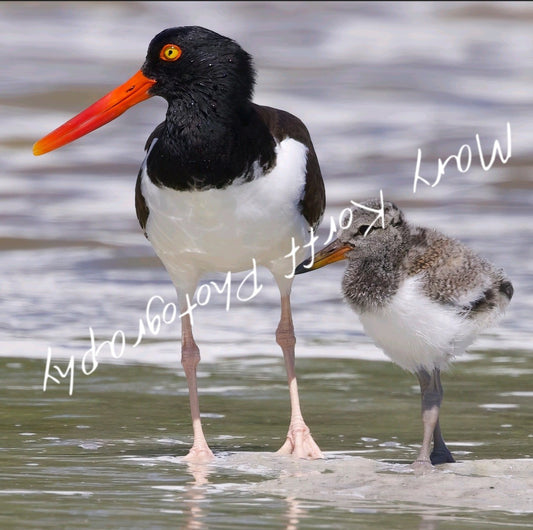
348 481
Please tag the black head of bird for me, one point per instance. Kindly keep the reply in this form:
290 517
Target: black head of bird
196 70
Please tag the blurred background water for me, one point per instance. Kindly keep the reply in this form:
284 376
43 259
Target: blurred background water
374 82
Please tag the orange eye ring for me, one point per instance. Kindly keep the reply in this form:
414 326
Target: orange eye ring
170 52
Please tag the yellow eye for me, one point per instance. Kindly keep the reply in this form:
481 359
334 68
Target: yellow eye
170 52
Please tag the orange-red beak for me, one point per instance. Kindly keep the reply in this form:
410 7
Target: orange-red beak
103 111
335 251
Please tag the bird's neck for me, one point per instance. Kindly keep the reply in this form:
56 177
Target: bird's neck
206 144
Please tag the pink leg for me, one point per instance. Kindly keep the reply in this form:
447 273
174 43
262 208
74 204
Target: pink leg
190 357
299 441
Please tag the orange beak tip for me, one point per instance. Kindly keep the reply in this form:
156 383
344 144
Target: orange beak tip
37 150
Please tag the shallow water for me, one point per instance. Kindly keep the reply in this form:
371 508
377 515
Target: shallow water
111 454
374 82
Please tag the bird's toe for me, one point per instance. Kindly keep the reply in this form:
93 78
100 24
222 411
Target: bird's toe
300 443
199 455
422 466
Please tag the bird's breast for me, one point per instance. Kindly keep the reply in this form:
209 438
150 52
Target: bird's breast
221 230
415 331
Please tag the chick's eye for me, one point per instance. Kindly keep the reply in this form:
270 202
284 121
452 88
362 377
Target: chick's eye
362 230
170 52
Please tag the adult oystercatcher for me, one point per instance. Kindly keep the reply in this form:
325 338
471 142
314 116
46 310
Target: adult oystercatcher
422 297
224 182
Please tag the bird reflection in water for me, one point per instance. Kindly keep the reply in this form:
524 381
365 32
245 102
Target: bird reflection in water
195 495
295 512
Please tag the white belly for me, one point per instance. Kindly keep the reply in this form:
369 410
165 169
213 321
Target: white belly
221 230
417 332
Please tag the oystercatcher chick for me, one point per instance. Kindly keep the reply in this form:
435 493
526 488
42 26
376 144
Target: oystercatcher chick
224 182
420 295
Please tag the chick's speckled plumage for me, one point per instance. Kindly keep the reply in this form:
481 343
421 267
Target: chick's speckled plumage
422 296
450 272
